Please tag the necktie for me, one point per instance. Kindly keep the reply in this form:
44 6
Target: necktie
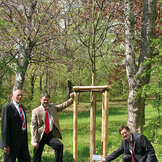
133 160
22 117
47 130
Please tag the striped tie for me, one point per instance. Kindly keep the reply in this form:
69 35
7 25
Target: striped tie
22 117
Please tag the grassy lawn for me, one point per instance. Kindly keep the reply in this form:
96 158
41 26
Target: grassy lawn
117 117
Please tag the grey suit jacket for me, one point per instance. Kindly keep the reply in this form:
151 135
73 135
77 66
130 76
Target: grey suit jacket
38 122
142 148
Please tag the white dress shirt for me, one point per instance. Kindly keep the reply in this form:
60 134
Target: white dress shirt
17 107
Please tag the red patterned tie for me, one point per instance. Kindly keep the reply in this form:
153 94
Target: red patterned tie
133 160
47 130
22 116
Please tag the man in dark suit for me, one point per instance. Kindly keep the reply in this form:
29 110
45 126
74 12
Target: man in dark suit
45 128
136 148
14 139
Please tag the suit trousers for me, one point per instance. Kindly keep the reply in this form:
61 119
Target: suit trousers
22 155
51 141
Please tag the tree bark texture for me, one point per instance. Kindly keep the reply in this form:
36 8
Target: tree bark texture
20 68
32 83
138 74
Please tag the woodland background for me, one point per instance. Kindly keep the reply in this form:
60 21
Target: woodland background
45 45
49 45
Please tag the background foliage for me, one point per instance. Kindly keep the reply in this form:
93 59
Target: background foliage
63 51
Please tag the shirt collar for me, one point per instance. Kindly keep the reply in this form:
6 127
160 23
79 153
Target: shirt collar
44 107
15 103
131 139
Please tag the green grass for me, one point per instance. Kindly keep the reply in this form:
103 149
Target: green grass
117 117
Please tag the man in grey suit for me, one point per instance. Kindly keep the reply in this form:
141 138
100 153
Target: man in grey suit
14 140
45 128
136 148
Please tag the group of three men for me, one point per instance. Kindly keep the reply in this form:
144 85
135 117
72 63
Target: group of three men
45 129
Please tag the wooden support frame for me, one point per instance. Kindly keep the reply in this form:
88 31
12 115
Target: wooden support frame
75 126
104 90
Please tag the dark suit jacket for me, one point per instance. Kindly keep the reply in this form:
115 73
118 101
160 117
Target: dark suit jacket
142 148
11 128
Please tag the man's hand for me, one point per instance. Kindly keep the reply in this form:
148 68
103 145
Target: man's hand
36 145
6 150
72 95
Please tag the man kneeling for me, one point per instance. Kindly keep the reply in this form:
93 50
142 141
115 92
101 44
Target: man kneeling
136 148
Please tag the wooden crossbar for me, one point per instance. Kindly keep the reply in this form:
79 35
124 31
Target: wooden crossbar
91 88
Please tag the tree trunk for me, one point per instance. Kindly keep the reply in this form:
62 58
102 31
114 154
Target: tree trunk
32 83
69 88
138 76
46 87
40 81
147 34
130 62
21 67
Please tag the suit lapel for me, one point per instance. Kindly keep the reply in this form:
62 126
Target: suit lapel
15 111
134 142
127 145
50 110
24 113
40 112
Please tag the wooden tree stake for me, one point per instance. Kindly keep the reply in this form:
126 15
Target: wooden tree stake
93 90
75 126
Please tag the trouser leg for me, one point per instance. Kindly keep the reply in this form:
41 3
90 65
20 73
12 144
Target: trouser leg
23 154
9 158
37 153
58 147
